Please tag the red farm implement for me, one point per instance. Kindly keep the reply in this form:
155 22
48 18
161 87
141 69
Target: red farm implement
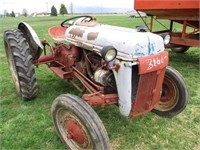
183 12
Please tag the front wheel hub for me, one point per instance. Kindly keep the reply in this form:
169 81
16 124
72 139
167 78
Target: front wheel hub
75 132
169 97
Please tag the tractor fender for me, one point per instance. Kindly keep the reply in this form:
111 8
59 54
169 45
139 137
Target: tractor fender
123 78
34 42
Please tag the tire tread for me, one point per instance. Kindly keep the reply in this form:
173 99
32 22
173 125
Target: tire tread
23 62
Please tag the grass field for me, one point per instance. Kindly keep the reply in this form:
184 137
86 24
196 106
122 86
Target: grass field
28 125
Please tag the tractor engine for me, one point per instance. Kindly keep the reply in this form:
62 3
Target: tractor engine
98 73
88 63
104 77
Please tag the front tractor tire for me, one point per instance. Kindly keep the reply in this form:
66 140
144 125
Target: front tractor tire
174 95
78 125
20 63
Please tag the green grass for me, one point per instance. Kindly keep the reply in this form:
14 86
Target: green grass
28 125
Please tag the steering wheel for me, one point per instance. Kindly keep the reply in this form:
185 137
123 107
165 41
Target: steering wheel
76 19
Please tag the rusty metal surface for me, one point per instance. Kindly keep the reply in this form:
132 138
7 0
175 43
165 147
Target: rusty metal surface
60 73
97 99
76 32
67 64
185 37
148 93
45 59
75 132
90 85
170 97
185 41
92 36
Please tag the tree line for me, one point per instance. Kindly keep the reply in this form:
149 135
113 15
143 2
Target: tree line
62 11
13 14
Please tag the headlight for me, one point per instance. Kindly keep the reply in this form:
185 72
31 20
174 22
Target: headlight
108 53
167 39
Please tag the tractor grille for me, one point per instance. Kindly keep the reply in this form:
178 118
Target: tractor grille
148 92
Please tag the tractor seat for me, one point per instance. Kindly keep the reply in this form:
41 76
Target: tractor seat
57 33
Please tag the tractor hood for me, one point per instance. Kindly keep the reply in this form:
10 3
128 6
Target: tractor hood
129 43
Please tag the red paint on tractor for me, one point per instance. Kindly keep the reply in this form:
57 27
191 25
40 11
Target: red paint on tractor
148 92
97 99
169 92
152 71
57 32
75 132
152 63
90 85
115 67
45 59
67 64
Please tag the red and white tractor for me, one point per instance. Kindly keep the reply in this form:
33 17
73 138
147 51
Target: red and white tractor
114 65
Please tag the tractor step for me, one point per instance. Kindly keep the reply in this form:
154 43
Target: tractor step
60 73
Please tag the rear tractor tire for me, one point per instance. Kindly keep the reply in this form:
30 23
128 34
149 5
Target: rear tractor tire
174 95
179 48
20 63
78 125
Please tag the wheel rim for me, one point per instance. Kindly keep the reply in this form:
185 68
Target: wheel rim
12 68
169 97
73 131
